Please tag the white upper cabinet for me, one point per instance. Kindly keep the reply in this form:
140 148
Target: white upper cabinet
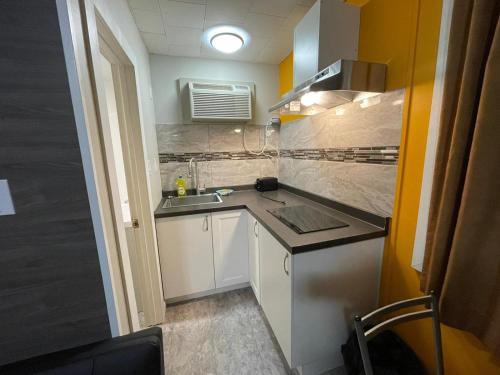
230 245
253 255
186 256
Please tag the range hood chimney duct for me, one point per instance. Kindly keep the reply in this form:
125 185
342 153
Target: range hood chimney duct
326 70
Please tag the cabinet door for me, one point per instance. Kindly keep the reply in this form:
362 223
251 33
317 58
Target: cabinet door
276 289
253 255
230 240
186 255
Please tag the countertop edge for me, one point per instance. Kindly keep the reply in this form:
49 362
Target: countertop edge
381 232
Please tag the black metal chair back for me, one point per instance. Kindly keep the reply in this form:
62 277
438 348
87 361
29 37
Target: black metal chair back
431 311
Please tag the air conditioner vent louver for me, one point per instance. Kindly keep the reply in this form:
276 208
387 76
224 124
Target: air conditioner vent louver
220 102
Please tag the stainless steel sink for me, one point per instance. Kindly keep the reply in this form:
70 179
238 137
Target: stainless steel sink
192 200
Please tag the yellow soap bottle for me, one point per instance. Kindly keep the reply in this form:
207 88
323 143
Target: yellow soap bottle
181 186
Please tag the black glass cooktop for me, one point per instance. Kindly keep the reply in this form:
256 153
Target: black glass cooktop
304 219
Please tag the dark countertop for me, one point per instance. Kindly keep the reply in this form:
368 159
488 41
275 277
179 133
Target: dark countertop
362 225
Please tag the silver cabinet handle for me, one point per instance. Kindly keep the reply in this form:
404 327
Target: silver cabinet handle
284 264
255 229
205 224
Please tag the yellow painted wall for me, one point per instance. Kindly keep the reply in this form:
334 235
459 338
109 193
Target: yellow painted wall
286 84
404 35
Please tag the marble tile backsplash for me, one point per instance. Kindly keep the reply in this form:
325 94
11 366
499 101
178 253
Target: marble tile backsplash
374 123
215 142
348 153
349 125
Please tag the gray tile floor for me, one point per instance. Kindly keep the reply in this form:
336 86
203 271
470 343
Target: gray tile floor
223 334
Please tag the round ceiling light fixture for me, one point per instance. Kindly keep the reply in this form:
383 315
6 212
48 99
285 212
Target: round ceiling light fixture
225 39
227 42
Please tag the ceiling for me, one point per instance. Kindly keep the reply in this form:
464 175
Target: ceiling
176 27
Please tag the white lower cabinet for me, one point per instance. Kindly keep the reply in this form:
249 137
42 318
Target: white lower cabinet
253 255
309 299
186 255
276 289
230 242
201 253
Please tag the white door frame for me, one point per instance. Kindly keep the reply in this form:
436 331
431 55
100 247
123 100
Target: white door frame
90 37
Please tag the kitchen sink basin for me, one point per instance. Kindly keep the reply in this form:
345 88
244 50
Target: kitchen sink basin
192 200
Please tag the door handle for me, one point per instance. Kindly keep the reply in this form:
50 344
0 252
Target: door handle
284 264
205 224
255 229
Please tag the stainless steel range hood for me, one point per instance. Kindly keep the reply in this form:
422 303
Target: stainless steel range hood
326 70
342 82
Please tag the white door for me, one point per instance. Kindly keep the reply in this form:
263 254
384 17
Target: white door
186 256
253 255
230 240
276 289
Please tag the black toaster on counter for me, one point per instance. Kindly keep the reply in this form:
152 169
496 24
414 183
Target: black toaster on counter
266 184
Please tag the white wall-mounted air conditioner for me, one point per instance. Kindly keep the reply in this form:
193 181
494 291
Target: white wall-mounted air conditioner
219 102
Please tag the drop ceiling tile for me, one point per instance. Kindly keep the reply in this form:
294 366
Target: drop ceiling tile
262 25
272 55
156 43
307 3
251 52
295 16
177 13
284 35
148 21
281 8
184 50
184 35
227 11
281 43
175 27
210 53
212 23
151 5
195 1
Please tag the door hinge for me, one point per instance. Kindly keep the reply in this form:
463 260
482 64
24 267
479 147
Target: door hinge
135 223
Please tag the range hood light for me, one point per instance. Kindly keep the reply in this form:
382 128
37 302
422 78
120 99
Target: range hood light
364 96
341 82
309 98
369 101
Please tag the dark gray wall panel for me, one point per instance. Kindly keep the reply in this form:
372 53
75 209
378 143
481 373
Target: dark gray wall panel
51 293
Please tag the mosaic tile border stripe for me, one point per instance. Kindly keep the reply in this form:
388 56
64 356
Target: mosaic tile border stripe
387 155
212 156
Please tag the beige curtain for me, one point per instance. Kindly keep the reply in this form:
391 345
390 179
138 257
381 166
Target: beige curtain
462 259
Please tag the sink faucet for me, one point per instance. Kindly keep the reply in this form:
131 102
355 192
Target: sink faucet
194 174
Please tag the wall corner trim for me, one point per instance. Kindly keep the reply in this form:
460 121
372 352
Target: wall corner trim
432 138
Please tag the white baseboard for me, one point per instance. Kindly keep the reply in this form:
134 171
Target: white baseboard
206 293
